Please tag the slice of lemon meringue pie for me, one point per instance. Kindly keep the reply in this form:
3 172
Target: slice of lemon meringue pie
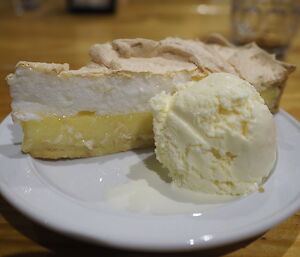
104 107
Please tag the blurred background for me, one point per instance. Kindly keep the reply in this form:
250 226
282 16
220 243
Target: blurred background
63 30
52 32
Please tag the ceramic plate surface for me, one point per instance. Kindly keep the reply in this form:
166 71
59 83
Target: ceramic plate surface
125 200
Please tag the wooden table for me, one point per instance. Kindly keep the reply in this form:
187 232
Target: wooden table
53 35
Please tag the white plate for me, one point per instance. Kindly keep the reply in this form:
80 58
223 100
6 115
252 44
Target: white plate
123 200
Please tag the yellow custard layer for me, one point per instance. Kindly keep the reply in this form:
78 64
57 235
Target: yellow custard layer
86 134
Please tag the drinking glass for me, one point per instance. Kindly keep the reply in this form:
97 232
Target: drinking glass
270 23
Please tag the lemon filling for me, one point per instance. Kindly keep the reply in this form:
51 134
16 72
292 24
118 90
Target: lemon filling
86 134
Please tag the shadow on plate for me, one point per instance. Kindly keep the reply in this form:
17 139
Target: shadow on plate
16 132
151 164
13 150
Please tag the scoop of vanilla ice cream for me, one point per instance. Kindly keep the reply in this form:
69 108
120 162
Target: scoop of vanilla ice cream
215 136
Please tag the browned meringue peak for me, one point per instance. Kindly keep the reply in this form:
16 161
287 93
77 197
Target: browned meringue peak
158 56
251 62
136 55
143 55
